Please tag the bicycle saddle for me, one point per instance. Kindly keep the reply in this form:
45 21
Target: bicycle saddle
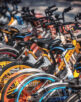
23 44
42 40
61 48
54 43
47 43
22 35
68 46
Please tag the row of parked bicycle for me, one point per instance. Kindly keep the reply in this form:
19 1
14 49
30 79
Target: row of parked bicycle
40 56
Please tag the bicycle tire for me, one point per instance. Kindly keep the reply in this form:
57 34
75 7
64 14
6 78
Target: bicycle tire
28 80
13 78
10 67
47 90
74 98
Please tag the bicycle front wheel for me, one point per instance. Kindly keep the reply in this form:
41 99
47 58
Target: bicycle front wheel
13 82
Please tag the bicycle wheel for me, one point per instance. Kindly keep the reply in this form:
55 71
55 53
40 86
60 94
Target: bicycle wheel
76 97
4 61
10 69
26 87
55 92
16 78
8 51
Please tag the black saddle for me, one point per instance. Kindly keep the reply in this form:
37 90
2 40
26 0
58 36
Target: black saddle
47 43
21 36
24 34
42 40
68 46
75 83
61 48
23 44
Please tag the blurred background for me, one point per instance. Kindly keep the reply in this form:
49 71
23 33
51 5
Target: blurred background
41 5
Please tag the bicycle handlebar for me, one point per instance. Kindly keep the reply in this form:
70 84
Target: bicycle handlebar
67 9
51 7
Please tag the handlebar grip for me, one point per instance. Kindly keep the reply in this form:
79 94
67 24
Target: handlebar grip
54 10
51 11
51 7
67 9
